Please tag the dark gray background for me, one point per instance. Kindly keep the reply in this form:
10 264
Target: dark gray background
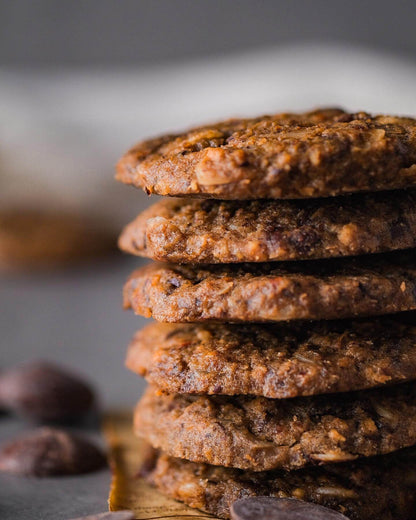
75 317
108 32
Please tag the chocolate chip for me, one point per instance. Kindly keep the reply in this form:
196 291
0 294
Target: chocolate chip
110 515
44 392
269 508
48 451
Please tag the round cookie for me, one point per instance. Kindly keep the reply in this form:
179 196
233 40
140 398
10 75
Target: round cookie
274 361
285 156
259 434
316 289
379 487
207 231
34 239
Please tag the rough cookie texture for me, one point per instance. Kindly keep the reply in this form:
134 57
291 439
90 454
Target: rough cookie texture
315 154
274 361
321 289
31 239
368 489
207 231
261 434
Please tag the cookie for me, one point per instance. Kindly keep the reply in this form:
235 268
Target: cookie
275 361
380 487
259 434
316 154
31 239
315 289
207 231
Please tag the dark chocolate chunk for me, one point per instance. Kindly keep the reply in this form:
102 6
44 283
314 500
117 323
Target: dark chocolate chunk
44 392
269 508
48 451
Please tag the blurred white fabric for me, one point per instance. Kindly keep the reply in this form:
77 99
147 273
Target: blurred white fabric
61 132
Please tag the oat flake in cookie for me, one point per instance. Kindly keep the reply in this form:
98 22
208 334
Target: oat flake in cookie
208 231
316 154
259 434
315 289
275 361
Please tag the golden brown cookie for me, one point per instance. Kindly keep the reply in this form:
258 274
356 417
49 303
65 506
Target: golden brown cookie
376 488
258 434
207 231
284 156
276 361
314 289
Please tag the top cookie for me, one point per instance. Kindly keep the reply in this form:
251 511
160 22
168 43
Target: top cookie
285 156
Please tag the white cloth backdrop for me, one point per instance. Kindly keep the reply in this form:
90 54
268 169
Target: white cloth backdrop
62 131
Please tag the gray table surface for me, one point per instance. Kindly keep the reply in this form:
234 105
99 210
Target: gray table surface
73 317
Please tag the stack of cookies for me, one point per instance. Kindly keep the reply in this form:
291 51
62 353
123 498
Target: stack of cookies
284 363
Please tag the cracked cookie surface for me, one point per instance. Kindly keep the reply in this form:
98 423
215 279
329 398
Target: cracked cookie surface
275 361
259 434
379 487
267 292
315 154
207 231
